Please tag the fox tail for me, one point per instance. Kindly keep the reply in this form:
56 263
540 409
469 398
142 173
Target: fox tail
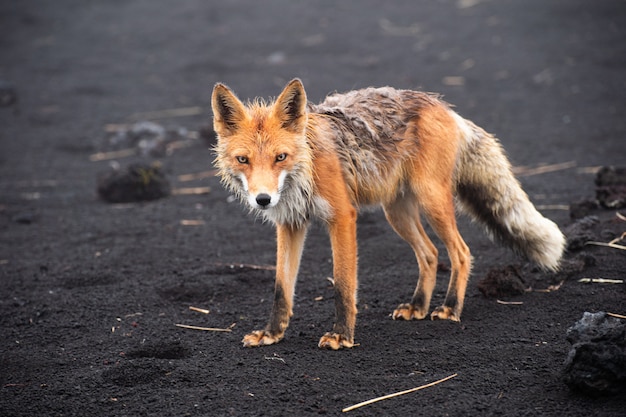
489 192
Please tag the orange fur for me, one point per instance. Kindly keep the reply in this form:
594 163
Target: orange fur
407 151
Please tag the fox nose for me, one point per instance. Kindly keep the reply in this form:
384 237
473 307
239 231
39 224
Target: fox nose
263 199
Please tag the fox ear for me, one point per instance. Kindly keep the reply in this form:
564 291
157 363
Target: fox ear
228 110
290 107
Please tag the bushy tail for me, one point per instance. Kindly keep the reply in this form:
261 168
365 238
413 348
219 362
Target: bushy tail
490 193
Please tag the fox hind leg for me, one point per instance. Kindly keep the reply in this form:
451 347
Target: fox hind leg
438 206
403 215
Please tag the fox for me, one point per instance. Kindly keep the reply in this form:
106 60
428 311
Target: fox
293 162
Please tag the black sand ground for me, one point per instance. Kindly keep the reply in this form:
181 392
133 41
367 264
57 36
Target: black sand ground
90 292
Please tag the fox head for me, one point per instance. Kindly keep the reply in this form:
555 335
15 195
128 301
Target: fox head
262 153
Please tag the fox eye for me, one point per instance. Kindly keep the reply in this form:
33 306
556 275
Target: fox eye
242 159
281 157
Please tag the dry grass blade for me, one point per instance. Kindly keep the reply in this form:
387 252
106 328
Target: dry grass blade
167 113
247 266
553 207
205 329
185 222
589 170
28 183
115 127
391 29
199 310
197 176
191 190
620 216
179 144
397 394
617 239
551 288
510 303
619 316
601 281
543 169
105 156
611 244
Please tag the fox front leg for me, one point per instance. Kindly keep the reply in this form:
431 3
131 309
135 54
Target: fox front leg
343 241
290 242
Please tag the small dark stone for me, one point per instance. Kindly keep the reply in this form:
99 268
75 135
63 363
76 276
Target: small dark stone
8 95
611 187
581 232
582 208
138 182
25 218
596 363
501 283
608 176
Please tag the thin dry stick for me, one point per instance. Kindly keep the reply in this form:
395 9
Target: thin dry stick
619 316
179 144
512 303
197 175
191 191
34 183
186 222
526 172
601 281
620 216
115 127
249 266
611 244
397 394
206 329
168 113
617 239
199 310
551 288
552 207
104 156
589 170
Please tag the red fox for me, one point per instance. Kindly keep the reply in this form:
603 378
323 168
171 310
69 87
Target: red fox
291 162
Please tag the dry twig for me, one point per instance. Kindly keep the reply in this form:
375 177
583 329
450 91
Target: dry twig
105 156
601 281
512 303
619 316
199 310
552 207
543 169
551 288
206 329
249 266
186 222
191 190
197 175
397 394
612 244
589 170
167 113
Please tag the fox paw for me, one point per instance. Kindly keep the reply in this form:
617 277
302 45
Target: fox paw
260 338
408 312
335 341
445 313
